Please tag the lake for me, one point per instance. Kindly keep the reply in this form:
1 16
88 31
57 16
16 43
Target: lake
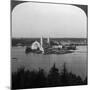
76 62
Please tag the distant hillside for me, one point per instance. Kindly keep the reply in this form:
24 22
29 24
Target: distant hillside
29 41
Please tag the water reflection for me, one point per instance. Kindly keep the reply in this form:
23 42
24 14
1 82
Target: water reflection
76 62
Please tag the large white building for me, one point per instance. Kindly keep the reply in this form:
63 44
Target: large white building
36 45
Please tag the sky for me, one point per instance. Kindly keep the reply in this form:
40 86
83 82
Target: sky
48 20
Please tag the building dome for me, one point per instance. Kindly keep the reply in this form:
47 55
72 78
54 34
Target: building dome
35 45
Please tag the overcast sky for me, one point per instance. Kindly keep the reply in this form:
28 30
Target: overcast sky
48 20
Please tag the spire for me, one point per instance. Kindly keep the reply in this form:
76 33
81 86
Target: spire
41 41
48 40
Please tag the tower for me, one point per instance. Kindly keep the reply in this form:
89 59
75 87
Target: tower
48 40
41 41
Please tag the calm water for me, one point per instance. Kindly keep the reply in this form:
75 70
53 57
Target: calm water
76 62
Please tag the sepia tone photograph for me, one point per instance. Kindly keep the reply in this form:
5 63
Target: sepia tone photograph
49 45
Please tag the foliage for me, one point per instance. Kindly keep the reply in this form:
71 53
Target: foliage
23 79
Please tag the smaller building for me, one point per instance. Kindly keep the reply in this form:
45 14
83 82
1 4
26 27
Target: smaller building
57 46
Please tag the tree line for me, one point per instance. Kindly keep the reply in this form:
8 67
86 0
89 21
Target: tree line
23 79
